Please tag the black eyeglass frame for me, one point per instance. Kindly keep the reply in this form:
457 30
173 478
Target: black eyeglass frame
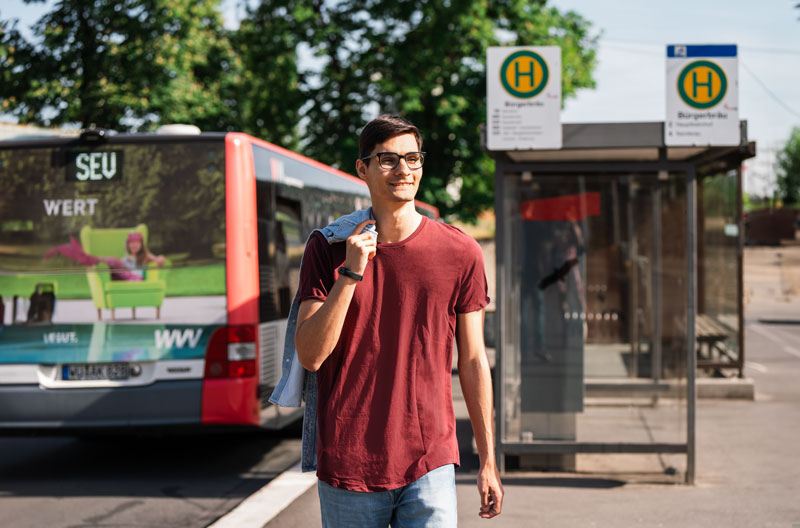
399 157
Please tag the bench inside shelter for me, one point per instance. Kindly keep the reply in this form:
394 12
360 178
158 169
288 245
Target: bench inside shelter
711 335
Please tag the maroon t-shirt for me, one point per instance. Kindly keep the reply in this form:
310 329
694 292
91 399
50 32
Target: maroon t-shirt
385 411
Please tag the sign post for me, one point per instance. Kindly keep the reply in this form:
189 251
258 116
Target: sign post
702 96
523 91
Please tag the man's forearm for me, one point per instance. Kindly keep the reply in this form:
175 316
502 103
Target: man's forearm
317 334
476 385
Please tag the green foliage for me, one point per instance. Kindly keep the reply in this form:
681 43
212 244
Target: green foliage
426 61
122 64
789 170
268 97
747 203
720 195
10 44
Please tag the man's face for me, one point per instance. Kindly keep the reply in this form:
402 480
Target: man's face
391 186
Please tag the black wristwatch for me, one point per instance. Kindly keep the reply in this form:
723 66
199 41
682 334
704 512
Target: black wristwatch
348 273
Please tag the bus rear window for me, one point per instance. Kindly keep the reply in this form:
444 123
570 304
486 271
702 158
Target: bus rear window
129 232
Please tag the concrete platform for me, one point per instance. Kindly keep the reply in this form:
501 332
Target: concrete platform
748 468
726 388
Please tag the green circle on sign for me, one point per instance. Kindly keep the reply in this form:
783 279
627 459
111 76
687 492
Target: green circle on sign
689 100
536 88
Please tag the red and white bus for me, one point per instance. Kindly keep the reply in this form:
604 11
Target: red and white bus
146 279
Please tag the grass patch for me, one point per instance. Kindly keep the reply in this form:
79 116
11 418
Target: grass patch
181 282
196 280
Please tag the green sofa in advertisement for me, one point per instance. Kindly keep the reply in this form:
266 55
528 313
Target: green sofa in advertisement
111 294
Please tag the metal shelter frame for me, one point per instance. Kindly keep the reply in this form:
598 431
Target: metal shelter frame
618 148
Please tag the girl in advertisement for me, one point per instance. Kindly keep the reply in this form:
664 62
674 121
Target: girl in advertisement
129 268
137 255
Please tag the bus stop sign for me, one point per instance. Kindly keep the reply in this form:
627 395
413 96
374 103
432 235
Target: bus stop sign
702 96
523 89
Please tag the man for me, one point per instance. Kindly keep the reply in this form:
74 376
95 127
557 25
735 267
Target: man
376 321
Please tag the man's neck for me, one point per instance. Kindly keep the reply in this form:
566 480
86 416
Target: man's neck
395 225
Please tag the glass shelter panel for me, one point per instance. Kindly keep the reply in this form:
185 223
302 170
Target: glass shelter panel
594 308
718 269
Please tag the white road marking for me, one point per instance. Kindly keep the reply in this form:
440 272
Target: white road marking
791 350
759 330
758 367
772 337
262 506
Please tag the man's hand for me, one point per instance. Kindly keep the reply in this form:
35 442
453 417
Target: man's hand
361 247
491 491
319 324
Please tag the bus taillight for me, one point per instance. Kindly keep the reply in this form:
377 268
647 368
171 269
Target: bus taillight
231 352
241 351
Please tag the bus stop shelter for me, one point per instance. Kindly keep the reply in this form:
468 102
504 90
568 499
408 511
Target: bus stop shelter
619 281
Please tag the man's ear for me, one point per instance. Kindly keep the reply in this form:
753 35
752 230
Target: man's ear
361 169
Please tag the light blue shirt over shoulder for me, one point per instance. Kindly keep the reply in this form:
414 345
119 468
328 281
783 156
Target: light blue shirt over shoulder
296 383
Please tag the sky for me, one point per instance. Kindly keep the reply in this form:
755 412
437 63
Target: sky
631 68
631 71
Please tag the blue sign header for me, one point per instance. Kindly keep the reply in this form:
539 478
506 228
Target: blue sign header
705 50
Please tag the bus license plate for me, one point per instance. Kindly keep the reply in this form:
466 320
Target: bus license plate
96 371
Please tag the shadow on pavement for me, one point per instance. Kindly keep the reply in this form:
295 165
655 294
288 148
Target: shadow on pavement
196 466
554 482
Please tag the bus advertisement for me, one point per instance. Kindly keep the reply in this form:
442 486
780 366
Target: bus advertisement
145 280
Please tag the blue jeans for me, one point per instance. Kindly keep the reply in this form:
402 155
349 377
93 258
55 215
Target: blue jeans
429 501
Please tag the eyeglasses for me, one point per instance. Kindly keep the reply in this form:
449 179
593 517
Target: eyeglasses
390 160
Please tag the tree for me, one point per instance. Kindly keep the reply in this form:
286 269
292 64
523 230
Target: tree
268 96
10 43
123 64
788 162
426 60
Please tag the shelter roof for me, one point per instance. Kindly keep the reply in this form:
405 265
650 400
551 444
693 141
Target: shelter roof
627 142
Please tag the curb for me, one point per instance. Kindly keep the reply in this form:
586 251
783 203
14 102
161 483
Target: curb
264 505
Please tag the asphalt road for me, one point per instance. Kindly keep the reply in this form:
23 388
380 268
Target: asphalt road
175 481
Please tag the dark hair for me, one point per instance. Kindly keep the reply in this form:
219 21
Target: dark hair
385 127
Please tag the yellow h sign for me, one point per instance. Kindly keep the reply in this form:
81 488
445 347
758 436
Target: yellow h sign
702 84
524 74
